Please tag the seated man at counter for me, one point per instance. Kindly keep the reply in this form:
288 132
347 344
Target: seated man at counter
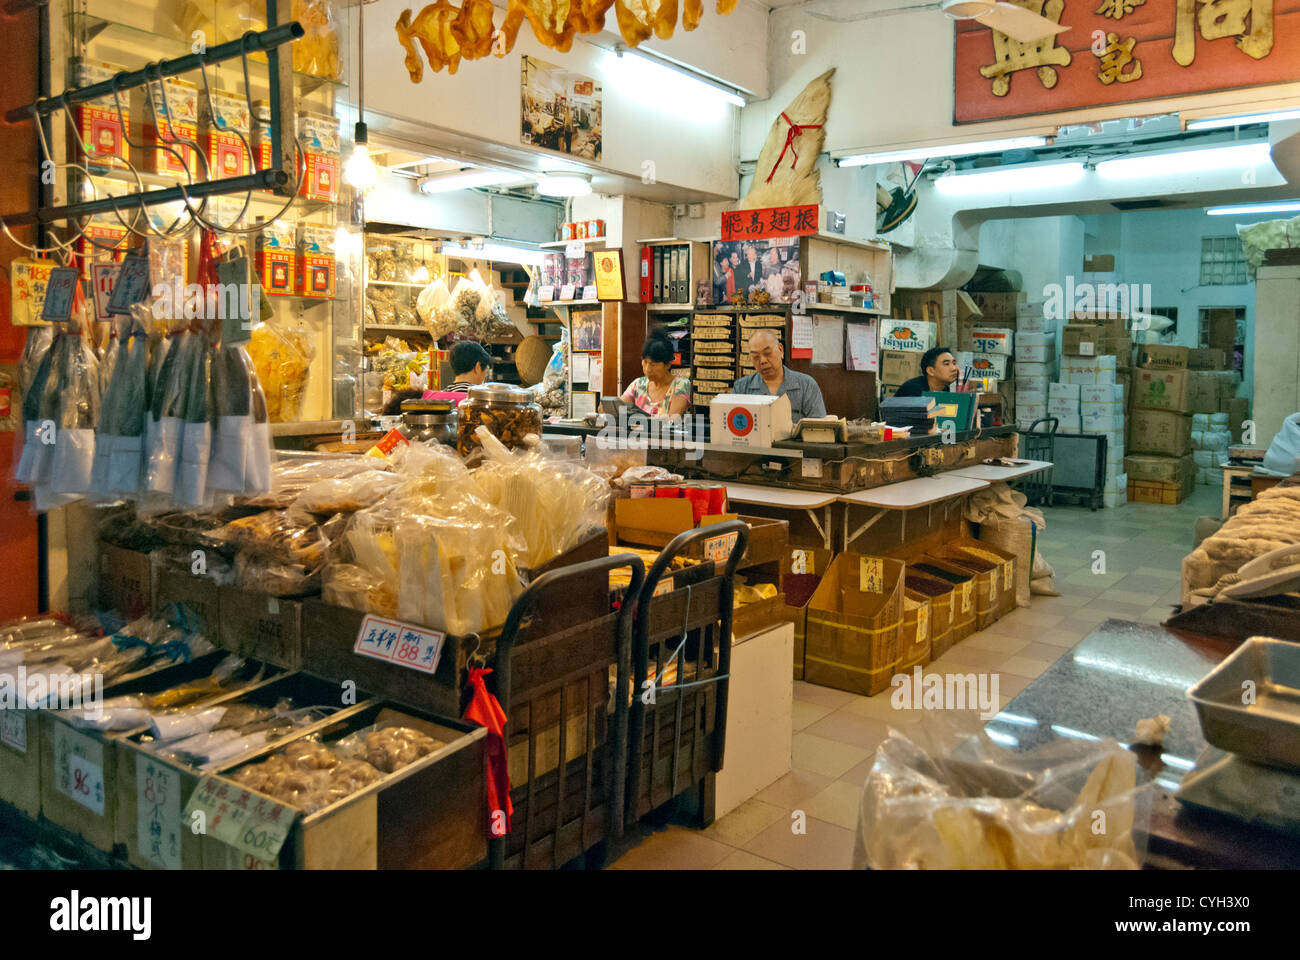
771 377
471 364
939 371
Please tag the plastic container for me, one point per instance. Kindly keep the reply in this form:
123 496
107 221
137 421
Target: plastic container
507 411
431 421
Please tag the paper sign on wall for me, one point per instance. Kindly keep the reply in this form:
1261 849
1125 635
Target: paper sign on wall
13 729
581 367
595 372
871 575
863 353
828 340
404 644
801 337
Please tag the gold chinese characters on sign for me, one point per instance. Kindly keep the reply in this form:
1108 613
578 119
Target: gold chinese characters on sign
1118 9
1217 19
1118 54
1014 55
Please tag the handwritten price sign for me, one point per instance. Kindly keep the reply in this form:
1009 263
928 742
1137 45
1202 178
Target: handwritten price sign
719 548
13 729
87 782
253 824
158 814
871 575
401 643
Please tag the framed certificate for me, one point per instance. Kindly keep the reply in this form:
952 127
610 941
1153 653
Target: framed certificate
609 274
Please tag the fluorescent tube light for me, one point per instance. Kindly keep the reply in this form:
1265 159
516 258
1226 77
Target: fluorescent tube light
467 179
1245 209
1239 121
1184 161
494 251
564 184
1012 179
942 150
711 86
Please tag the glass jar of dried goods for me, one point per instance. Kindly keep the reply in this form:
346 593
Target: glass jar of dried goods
508 412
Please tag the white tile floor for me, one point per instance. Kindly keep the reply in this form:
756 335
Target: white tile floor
836 733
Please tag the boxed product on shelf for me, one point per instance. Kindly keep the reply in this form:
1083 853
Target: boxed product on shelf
1097 371
166 125
102 131
315 262
319 135
1156 356
125 581
912 335
276 257
1164 389
993 340
226 126
1098 398
1159 432
1036 348
854 619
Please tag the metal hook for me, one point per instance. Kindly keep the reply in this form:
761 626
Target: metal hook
476 659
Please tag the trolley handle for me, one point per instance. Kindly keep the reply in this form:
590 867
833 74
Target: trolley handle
600 567
676 546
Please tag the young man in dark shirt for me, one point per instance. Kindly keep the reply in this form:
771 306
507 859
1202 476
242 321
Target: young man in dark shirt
939 371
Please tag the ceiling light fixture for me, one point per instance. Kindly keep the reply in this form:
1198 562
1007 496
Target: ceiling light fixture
729 94
467 179
495 252
942 150
1185 161
1012 179
1245 209
564 184
1240 121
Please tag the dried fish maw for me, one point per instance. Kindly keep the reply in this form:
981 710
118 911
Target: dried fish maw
473 28
406 37
433 28
782 179
666 19
725 7
589 15
634 21
553 21
692 10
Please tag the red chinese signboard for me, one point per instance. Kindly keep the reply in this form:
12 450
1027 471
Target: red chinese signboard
1122 51
769 222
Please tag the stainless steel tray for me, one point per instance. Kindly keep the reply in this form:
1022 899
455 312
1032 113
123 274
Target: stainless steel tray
1250 703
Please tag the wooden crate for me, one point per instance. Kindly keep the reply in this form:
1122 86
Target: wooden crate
429 815
201 599
140 770
261 626
125 583
20 760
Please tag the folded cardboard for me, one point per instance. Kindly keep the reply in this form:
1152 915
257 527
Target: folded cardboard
1207 358
1160 432
854 620
1164 389
1159 356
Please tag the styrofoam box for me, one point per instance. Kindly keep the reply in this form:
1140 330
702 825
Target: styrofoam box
1101 393
1033 371
1064 391
1035 324
1063 407
1200 421
1219 421
1033 411
1035 348
1104 362
993 340
1068 424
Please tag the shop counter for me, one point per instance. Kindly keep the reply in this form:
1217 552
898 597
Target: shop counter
996 474
945 488
1123 672
785 499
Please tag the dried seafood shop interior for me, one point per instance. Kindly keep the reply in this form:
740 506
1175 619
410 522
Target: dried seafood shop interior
476 445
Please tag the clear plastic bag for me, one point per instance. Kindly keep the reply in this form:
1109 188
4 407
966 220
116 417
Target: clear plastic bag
346 494
945 796
282 359
280 535
316 53
276 578
308 775
289 478
73 406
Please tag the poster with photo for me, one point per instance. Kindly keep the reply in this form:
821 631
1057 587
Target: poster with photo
560 110
770 264
586 329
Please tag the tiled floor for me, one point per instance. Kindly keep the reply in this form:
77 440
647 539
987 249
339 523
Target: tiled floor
1135 577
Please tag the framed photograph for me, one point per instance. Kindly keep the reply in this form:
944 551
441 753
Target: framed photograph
560 110
586 329
609 274
770 264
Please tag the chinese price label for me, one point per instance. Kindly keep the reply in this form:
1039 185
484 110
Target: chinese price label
131 286
13 729
1007 575
253 824
87 781
59 293
79 767
102 278
719 548
923 623
966 597
401 643
871 575
663 586
158 814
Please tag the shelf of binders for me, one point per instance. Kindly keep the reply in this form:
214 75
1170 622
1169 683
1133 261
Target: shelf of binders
671 269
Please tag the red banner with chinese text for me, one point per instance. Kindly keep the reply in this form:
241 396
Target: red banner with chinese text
770 222
1123 51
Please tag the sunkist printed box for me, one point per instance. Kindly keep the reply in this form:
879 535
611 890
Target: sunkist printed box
916 336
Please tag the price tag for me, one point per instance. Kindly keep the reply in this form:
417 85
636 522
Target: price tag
801 561
1007 575
132 284
237 323
663 586
575 250
13 729
566 291
993 589
546 292
250 823
59 292
923 623
401 643
589 292
158 813
102 278
812 467
871 575
966 597
79 767
719 548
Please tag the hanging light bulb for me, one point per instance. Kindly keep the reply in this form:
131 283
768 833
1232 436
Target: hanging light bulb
360 170
421 274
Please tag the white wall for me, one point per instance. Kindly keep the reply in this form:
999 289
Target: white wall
893 84
647 115
1043 250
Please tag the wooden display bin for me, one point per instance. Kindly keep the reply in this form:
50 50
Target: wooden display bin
255 624
125 583
20 760
168 783
428 815
852 639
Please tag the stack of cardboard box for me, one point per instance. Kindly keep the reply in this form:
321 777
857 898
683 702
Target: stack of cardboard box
1213 387
1162 469
1089 398
990 356
902 343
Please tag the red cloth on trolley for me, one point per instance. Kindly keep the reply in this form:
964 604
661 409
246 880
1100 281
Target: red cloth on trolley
484 710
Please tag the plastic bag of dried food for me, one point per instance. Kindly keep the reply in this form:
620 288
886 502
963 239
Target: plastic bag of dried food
276 578
557 503
37 362
125 409
308 775
167 415
432 298
345 494
291 476
316 53
388 746
278 535
282 359
75 412
945 796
